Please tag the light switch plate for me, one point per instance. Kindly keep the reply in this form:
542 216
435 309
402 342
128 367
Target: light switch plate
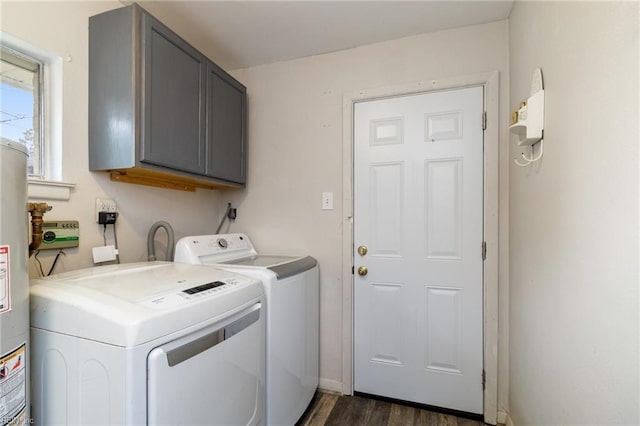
327 201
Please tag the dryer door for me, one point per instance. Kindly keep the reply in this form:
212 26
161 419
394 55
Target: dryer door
214 376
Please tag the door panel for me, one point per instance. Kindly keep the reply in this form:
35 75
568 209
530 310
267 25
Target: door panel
386 199
418 209
443 329
386 299
443 202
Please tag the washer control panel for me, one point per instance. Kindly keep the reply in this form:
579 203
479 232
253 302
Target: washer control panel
210 244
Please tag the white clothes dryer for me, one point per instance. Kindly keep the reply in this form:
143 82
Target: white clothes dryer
149 343
292 303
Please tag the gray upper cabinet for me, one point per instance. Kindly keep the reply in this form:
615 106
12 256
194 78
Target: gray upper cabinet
173 100
160 112
226 108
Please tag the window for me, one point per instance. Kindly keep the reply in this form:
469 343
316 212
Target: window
21 101
31 112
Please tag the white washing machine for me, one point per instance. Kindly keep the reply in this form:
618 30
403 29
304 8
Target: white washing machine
293 325
148 343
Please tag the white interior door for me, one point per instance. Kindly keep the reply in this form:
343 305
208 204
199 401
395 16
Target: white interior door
418 210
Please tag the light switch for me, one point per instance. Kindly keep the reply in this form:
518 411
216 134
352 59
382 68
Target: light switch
327 201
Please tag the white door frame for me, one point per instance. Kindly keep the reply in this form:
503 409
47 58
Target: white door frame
491 82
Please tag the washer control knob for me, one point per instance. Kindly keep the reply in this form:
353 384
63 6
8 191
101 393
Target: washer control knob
222 243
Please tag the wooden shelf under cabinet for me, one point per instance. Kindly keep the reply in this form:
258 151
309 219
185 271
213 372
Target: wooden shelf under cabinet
166 180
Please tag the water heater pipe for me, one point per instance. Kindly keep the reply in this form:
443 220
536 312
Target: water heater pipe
37 211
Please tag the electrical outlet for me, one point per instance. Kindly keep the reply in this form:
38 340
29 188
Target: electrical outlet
105 205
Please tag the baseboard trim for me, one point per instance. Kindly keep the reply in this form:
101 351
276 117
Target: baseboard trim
509 421
330 385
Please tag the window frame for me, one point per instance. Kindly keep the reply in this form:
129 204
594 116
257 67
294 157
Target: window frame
40 96
51 186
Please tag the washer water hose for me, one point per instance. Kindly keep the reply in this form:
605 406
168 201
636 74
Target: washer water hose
151 250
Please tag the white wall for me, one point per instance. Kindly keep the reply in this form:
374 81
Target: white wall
296 146
574 217
62 29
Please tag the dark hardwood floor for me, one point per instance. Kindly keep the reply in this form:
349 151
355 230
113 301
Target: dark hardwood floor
337 410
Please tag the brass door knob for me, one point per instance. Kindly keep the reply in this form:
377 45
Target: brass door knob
362 271
362 250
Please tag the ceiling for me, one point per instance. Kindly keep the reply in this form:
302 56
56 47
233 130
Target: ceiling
240 34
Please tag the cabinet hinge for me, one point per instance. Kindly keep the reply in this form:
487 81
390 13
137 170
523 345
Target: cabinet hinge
353 270
484 120
484 250
484 380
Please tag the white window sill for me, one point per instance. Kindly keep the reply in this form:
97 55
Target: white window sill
49 190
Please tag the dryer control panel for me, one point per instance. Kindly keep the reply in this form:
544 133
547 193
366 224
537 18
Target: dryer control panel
194 294
213 248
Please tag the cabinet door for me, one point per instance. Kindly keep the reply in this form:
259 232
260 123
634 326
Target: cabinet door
226 127
173 106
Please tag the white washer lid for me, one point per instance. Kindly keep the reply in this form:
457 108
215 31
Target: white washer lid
130 304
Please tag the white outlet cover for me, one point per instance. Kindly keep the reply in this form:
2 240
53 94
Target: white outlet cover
105 205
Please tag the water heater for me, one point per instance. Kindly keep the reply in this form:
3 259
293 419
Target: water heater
14 285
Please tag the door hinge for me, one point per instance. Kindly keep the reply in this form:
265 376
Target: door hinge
484 380
484 250
484 120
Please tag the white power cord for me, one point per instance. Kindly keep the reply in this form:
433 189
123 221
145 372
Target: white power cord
531 160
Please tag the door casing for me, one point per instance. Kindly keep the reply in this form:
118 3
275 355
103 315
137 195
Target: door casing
491 82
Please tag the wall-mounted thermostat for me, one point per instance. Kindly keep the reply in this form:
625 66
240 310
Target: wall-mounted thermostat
60 234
